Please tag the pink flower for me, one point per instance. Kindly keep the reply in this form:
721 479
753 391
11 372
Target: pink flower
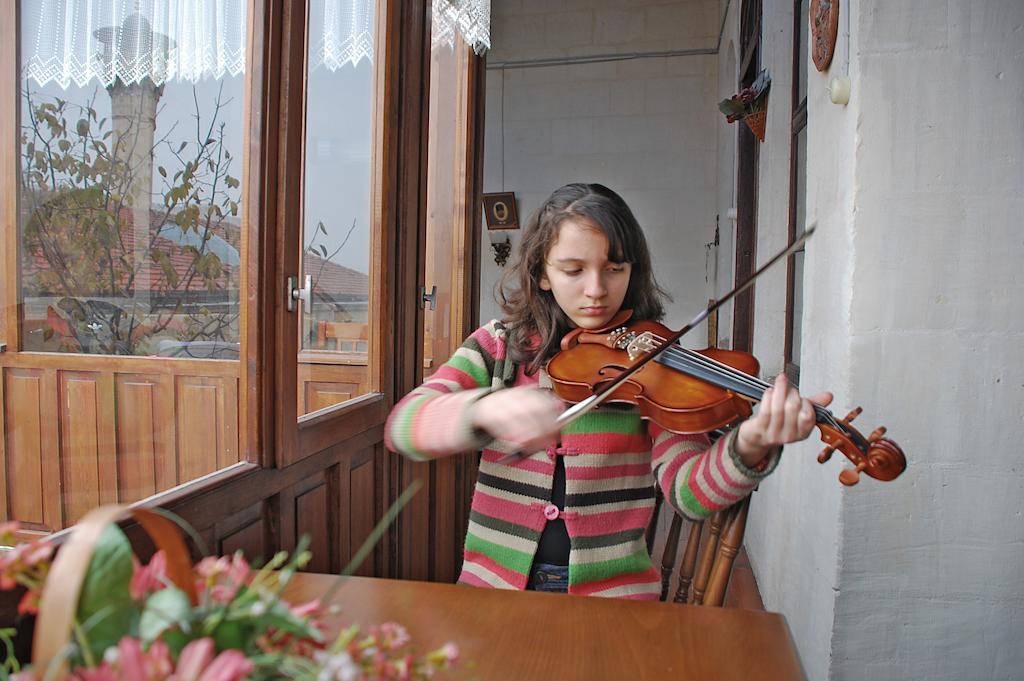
149 578
197 663
29 603
230 665
193 659
450 651
129 661
390 635
222 577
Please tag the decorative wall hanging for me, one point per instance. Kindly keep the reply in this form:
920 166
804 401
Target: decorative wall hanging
471 18
501 215
824 17
750 105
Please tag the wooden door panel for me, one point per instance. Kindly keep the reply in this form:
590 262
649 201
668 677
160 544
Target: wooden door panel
245 532
85 459
143 461
360 497
314 519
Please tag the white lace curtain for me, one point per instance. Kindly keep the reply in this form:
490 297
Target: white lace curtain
469 18
76 41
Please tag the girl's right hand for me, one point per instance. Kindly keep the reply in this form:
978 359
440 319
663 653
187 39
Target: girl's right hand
524 416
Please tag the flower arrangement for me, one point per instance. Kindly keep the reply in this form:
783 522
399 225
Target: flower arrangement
133 621
750 105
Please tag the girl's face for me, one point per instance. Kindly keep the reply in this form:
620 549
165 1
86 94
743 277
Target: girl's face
586 285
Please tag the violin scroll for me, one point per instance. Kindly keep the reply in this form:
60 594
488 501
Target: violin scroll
878 456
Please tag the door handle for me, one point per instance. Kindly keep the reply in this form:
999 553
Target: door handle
304 294
430 298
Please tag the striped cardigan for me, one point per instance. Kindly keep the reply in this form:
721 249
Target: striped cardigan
612 460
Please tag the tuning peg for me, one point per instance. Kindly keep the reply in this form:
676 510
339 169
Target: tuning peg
852 415
876 434
851 476
826 454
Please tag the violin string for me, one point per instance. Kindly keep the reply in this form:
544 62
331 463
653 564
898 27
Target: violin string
713 365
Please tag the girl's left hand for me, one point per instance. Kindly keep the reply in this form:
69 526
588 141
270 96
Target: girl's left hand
782 417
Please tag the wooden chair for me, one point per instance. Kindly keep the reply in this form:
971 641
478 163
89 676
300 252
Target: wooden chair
707 560
706 566
347 336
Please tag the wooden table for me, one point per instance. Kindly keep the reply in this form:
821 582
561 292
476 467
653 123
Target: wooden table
529 635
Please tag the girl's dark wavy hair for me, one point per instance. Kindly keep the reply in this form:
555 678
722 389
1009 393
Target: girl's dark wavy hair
531 311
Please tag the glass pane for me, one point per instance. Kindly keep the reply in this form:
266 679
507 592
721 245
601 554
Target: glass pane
803 53
446 203
334 355
798 306
130 250
797 301
801 182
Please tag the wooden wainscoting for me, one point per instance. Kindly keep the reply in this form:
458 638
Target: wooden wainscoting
83 430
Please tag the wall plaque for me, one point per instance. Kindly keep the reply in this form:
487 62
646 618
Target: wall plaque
824 28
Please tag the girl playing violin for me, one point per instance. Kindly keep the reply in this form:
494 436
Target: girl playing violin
568 511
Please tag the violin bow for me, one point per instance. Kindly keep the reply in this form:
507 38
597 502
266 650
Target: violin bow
581 408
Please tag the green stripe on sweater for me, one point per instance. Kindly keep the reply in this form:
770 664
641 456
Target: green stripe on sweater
517 561
621 423
475 371
685 499
585 573
401 427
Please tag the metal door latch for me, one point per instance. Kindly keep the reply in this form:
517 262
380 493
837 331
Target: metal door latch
293 293
430 298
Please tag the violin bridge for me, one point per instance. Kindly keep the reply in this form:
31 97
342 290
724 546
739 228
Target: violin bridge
635 344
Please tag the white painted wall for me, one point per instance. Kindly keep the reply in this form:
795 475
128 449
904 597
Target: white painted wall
913 310
913 290
643 127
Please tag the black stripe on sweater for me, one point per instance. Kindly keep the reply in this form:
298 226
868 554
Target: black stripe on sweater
514 487
614 539
472 344
499 525
609 496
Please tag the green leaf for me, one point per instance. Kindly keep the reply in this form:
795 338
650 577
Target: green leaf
730 107
164 609
230 634
105 606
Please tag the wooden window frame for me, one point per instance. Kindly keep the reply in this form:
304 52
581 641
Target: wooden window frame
275 45
798 125
747 153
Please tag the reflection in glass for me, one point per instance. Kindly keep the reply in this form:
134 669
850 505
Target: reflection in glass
334 330
129 243
130 191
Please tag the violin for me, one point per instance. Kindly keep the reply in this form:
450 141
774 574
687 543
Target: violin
696 391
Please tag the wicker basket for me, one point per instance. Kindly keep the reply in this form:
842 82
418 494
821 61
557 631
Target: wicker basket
59 601
756 122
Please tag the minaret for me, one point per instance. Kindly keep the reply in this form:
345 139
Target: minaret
133 114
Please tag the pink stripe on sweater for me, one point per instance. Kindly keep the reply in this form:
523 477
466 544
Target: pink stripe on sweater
435 428
472 580
511 576
597 524
509 511
450 373
732 482
519 463
607 443
606 472
492 345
